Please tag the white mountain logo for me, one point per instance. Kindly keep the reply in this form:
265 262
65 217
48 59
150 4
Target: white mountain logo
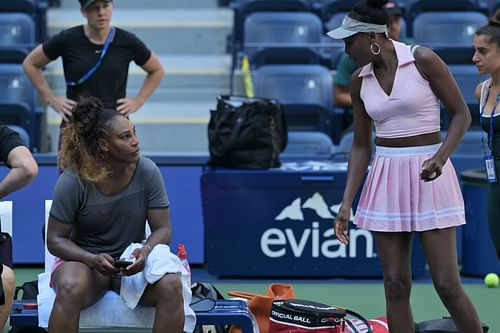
316 202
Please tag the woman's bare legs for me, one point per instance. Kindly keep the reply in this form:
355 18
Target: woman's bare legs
166 296
394 249
77 287
440 250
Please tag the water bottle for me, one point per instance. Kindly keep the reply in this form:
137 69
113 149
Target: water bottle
181 253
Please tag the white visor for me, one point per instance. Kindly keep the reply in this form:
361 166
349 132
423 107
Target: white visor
351 26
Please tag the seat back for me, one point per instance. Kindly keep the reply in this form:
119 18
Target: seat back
280 29
447 29
243 8
467 78
36 9
16 29
15 87
295 84
308 145
18 102
346 140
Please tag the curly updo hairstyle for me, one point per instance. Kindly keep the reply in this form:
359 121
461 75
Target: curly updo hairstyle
89 123
370 11
492 29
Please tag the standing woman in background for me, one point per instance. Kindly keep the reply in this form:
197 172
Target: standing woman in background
411 187
95 58
487 59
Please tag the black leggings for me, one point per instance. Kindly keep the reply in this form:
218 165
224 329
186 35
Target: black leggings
494 211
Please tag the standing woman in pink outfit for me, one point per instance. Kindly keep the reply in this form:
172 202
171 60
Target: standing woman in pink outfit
411 186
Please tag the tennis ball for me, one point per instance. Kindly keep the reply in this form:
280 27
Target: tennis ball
491 280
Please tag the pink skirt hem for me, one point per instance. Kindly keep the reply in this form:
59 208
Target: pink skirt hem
394 198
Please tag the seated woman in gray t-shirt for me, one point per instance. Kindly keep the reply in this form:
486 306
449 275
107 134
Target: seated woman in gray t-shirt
101 203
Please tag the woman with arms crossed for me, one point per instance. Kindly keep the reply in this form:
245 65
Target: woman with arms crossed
411 186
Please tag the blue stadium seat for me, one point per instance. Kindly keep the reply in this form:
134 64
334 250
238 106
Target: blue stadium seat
295 84
449 34
467 78
305 91
308 145
416 8
37 9
452 29
243 8
283 37
15 86
17 37
282 28
18 102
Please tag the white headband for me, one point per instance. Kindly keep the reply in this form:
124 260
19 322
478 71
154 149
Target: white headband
351 26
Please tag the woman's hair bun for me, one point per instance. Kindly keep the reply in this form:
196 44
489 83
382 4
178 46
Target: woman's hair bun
495 19
86 112
376 3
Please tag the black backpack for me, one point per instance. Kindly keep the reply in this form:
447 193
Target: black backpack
29 292
247 133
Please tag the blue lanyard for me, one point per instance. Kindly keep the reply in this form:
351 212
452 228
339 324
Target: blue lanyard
98 63
490 136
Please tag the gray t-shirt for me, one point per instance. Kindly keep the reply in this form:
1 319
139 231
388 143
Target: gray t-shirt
108 224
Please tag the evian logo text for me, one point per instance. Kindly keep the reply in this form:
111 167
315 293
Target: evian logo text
278 242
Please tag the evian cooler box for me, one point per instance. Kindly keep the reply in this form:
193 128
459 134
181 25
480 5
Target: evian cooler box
279 223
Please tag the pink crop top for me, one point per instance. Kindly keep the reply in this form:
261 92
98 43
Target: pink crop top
411 108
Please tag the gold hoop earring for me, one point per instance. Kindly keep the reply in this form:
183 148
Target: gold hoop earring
372 45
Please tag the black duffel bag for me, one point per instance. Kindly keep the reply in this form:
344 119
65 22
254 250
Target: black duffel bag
443 325
247 133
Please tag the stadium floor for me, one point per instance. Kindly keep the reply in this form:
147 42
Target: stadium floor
362 295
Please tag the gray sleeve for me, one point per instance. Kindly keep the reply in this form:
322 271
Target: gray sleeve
157 195
65 201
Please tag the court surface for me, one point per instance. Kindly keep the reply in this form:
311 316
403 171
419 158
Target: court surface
362 295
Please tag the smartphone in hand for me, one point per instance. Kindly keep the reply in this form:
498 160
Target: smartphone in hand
122 263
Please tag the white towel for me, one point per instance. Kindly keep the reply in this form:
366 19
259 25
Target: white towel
159 262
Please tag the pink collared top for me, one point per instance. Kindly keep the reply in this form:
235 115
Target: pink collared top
410 109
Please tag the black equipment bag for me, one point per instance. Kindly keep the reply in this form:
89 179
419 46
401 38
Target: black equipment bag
443 325
5 249
203 299
247 133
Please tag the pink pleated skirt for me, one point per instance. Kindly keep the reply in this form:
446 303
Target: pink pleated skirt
394 198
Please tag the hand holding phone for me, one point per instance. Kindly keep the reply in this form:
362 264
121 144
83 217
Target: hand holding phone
122 263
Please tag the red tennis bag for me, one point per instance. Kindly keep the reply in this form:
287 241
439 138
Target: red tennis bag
301 316
356 325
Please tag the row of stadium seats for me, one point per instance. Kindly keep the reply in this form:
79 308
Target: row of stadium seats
263 25
291 59
22 26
